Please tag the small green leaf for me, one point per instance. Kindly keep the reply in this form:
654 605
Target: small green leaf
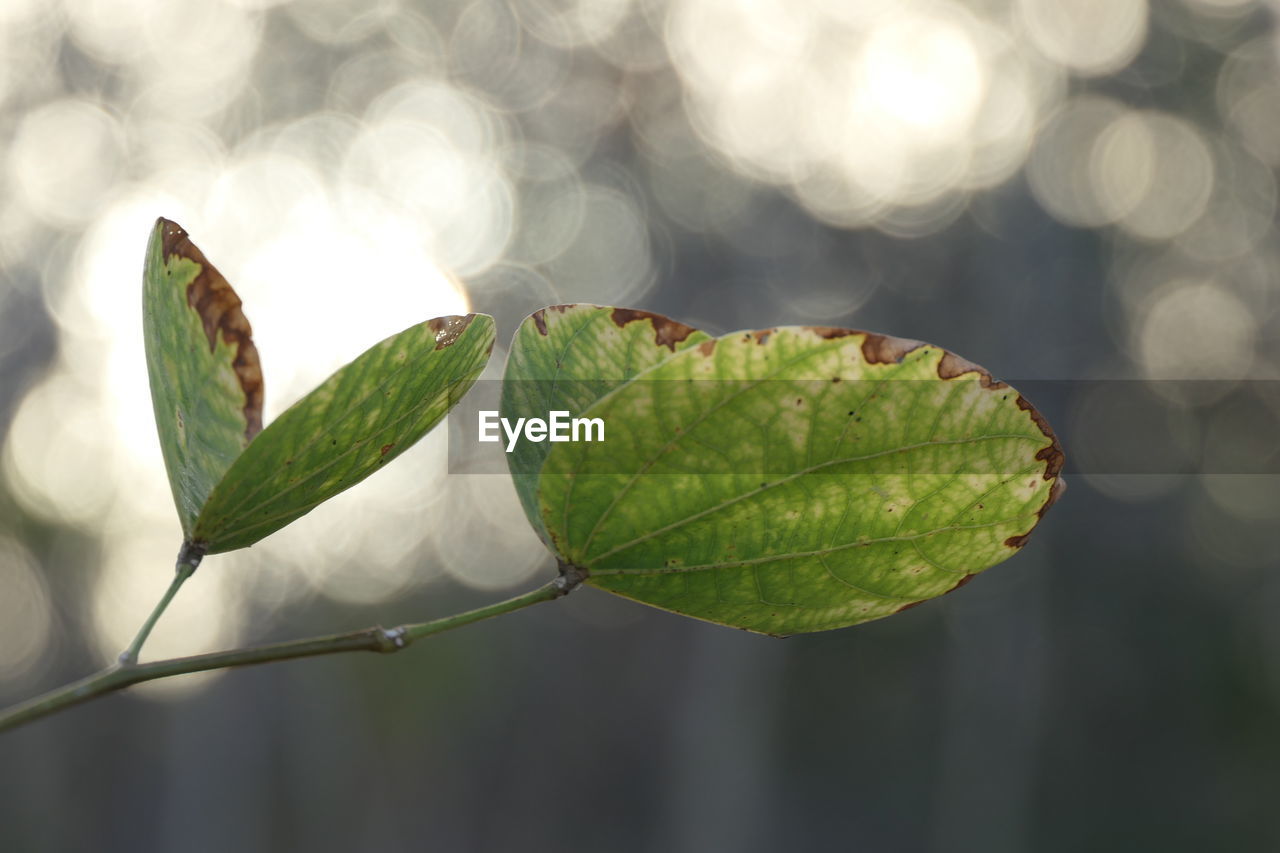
565 357
356 421
206 382
789 480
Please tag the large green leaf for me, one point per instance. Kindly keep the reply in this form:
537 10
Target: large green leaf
565 358
792 479
356 421
206 383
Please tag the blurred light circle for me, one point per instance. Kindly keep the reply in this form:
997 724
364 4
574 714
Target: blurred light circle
636 44
1134 488
192 77
31 38
455 194
1091 37
1250 496
1248 96
861 112
820 292
260 194
461 117
1244 435
924 73
838 198
697 193
416 35
1240 211
510 292
482 536
102 336
1152 173
490 52
54 456
486 34
552 202
366 76
322 290
1116 424
157 144
1196 330
107 30
551 216
319 139
921 220
609 260
1219 541
1059 170
26 615
574 23
64 159
576 115
337 22
1004 125
1123 164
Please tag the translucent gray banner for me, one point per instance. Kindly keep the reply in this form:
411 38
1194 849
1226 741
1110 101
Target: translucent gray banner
1104 426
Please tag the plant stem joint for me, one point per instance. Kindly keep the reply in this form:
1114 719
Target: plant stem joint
391 639
571 577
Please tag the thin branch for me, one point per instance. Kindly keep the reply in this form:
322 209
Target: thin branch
376 639
189 558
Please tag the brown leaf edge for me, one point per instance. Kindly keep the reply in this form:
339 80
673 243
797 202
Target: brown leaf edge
211 296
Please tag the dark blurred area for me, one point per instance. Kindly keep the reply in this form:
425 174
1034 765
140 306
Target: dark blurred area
1064 191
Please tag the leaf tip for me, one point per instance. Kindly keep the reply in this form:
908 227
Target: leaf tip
221 313
449 328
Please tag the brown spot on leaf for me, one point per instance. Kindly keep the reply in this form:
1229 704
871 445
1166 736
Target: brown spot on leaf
830 332
1018 541
1054 460
953 365
1055 492
707 347
666 332
386 448
539 318
1051 455
886 349
448 329
219 308
763 335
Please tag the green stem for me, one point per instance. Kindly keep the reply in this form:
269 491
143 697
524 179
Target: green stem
374 639
189 558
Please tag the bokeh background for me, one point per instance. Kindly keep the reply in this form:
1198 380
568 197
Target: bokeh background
1057 189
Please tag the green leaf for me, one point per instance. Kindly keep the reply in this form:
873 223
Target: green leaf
788 480
565 358
356 421
206 382
233 482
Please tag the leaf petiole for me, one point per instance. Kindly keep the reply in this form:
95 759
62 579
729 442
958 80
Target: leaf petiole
189 558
